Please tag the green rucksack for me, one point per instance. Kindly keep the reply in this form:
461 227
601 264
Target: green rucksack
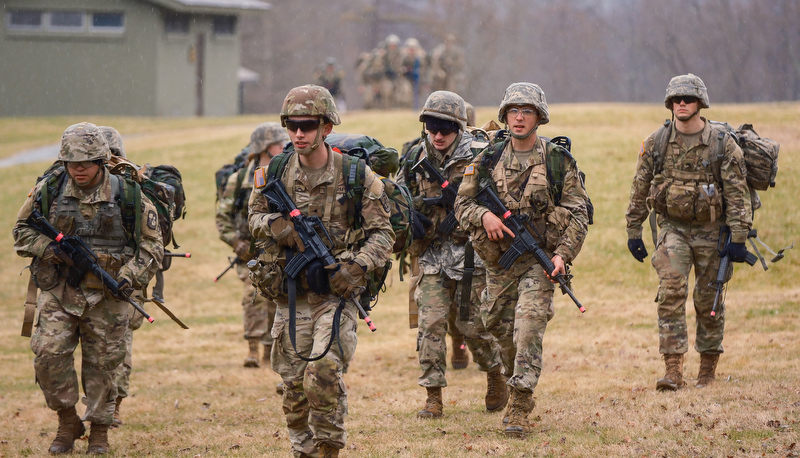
221 175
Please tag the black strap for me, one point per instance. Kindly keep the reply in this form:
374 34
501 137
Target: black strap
466 282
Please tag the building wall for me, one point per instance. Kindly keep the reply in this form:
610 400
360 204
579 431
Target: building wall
61 73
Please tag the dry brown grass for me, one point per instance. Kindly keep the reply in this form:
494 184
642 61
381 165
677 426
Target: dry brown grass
192 397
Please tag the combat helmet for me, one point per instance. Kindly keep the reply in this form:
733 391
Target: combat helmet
310 100
265 135
445 105
114 140
686 85
83 142
519 94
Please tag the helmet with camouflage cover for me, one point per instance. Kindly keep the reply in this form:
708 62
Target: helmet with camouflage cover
83 142
445 105
686 85
470 114
265 135
310 100
114 140
392 40
519 94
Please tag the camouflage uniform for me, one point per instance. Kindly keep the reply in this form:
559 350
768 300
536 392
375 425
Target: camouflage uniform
689 238
314 394
231 218
86 314
518 303
447 66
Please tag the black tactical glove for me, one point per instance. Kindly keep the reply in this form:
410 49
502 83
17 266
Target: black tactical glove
737 252
349 278
420 225
637 249
285 235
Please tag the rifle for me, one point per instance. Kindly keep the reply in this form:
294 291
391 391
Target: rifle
233 261
446 200
83 259
315 247
524 242
168 254
724 264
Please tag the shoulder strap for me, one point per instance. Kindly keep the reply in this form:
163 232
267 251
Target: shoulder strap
411 158
557 159
660 146
51 189
130 201
354 172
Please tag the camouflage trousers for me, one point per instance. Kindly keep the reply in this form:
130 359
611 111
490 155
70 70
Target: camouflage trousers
314 393
258 312
438 299
135 320
516 306
681 247
101 333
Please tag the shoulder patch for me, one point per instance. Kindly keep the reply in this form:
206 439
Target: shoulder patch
152 219
30 193
260 179
385 203
641 149
469 170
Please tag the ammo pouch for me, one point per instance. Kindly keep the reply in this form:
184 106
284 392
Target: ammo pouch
45 275
111 263
557 222
686 196
268 278
488 250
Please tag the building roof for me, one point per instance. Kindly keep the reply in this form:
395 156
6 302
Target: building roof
212 6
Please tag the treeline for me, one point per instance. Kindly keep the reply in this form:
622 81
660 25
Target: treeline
577 50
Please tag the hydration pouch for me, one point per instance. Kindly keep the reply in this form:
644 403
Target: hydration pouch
708 207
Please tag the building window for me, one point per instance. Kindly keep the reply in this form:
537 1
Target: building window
24 19
224 25
108 22
66 20
176 23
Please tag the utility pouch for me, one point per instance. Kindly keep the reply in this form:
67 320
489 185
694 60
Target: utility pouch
44 274
268 278
488 250
108 262
557 222
657 200
680 201
708 207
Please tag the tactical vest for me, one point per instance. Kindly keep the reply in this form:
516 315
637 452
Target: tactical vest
690 191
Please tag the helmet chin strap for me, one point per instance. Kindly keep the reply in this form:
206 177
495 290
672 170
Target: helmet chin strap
317 141
524 136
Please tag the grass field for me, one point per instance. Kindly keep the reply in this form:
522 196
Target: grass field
596 397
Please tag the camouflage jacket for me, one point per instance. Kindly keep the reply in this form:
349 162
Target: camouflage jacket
730 171
376 230
231 217
524 189
138 268
438 252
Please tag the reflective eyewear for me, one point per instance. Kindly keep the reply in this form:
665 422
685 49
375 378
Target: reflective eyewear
444 132
306 125
82 164
527 112
686 99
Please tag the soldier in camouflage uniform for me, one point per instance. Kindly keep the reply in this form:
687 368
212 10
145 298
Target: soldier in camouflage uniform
437 286
331 77
86 314
447 66
693 193
266 141
314 395
517 303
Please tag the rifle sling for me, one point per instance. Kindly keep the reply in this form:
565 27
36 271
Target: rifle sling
466 282
30 308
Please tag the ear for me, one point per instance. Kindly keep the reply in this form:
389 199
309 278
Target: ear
327 128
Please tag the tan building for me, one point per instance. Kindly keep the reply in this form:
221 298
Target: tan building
121 57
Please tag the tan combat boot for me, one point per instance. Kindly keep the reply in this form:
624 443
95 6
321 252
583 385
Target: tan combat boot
673 379
70 427
460 358
98 440
433 405
267 352
327 450
708 369
117 419
496 390
519 407
252 358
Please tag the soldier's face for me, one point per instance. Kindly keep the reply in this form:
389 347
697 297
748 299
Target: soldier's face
684 107
85 173
522 119
441 139
304 131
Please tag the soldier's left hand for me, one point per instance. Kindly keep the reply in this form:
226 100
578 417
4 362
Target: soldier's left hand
737 251
348 279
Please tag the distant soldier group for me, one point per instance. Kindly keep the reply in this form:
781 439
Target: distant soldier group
395 76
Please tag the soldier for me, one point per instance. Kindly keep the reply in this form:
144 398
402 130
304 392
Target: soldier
392 85
694 192
311 311
84 206
447 66
330 77
415 67
517 303
440 258
266 142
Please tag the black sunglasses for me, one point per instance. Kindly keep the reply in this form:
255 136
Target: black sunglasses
444 132
687 99
306 125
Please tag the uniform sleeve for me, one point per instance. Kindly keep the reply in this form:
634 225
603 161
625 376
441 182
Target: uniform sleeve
735 193
259 215
377 227
469 212
224 214
28 242
141 268
637 205
574 198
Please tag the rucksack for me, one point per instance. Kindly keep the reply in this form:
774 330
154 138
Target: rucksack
556 161
221 176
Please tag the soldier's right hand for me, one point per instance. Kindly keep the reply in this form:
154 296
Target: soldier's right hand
125 288
284 234
494 227
637 249
53 254
242 249
420 225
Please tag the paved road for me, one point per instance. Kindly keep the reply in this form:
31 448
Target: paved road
43 153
